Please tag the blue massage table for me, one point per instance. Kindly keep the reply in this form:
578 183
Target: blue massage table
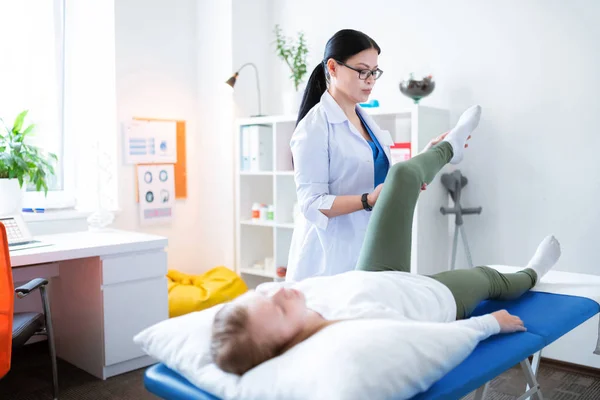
546 316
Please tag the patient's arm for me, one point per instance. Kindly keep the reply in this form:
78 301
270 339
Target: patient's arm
487 325
494 323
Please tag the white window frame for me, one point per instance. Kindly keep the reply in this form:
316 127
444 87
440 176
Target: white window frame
65 198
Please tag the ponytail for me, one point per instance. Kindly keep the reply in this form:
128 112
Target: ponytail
316 86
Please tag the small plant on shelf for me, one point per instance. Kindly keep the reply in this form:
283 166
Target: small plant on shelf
294 54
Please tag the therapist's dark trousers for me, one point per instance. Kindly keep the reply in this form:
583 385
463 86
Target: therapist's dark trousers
387 244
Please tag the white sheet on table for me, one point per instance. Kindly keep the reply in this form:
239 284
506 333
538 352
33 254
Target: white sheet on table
567 283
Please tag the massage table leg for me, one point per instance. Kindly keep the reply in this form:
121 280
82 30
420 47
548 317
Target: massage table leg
535 364
481 392
533 387
531 381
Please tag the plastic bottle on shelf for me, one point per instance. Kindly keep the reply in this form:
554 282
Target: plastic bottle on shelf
270 212
270 265
280 274
256 212
258 266
263 212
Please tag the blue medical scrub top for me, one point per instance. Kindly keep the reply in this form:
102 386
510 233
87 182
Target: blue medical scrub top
380 162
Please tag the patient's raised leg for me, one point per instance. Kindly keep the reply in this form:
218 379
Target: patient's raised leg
387 242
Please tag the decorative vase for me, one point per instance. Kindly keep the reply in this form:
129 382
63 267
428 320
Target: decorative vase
11 197
416 89
292 99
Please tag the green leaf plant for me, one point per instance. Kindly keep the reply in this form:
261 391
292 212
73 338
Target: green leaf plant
294 54
21 160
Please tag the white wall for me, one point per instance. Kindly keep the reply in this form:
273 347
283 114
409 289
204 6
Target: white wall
169 65
252 39
215 186
533 67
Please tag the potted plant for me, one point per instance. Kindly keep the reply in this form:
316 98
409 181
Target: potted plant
21 164
294 54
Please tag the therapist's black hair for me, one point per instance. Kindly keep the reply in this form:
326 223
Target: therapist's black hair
341 46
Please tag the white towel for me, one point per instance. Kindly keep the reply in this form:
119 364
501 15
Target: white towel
568 283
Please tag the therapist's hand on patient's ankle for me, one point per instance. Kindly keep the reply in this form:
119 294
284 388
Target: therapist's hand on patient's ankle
374 195
509 323
436 140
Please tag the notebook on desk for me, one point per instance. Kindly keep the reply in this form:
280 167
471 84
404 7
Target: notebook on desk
19 236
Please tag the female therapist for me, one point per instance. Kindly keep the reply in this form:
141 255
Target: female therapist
341 158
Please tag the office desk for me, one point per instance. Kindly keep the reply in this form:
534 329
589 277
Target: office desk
105 287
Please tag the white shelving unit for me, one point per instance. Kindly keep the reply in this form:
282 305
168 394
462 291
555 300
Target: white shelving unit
274 185
258 240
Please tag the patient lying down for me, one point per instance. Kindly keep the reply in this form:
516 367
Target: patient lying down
265 323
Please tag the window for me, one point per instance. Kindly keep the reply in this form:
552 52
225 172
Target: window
32 78
58 61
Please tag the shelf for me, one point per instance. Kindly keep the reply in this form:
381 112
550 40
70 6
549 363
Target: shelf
266 173
256 173
289 225
268 224
376 111
267 119
257 272
258 223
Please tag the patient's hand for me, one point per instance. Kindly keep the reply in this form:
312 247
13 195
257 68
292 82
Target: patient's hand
509 323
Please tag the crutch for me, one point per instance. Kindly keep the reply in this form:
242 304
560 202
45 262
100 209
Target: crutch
454 182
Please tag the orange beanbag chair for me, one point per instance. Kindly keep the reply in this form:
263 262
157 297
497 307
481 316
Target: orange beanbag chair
188 293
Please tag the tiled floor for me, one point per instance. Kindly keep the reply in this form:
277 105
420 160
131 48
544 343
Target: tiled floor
30 379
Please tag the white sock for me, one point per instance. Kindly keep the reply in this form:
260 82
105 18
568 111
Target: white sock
546 255
457 137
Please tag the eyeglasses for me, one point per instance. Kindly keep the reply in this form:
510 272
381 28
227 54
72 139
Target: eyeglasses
364 73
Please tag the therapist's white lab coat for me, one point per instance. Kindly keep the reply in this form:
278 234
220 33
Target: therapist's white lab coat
331 158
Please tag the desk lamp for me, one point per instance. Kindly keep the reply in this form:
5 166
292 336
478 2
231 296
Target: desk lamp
231 82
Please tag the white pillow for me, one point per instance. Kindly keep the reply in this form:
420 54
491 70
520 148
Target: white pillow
357 359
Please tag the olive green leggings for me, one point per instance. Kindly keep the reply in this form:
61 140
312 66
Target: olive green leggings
387 244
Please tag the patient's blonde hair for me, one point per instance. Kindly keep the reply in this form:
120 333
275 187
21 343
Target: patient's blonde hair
232 347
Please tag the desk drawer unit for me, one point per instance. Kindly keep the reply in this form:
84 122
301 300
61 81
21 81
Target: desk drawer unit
135 296
106 286
133 267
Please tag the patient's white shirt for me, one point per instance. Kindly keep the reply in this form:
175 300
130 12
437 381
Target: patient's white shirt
363 294
387 295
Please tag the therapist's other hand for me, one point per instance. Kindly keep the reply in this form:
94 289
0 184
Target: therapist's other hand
438 139
374 195
509 323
